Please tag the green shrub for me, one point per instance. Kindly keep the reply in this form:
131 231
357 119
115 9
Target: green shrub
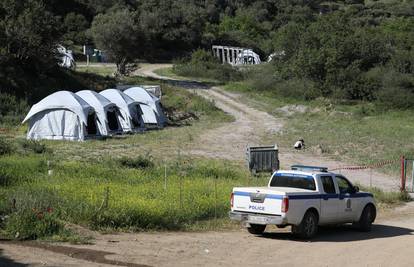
388 198
5 147
15 169
12 109
395 97
140 162
33 224
268 78
203 64
33 214
365 110
298 88
33 146
263 78
177 101
201 56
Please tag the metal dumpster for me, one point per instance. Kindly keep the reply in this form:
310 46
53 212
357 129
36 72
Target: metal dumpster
262 158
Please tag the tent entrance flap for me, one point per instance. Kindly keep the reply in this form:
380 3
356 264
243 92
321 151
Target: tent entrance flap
92 128
137 117
112 120
135 122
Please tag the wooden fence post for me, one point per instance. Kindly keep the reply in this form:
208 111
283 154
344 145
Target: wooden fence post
402 173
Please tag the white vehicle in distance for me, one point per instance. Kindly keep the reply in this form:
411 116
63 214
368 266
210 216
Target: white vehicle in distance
304 197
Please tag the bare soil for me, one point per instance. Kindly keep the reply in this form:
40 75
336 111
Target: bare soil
390 243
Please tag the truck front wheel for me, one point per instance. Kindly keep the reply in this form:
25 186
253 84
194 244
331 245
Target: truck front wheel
367 218
308 228
256 229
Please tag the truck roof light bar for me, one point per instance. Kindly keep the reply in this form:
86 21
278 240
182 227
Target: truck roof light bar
308 168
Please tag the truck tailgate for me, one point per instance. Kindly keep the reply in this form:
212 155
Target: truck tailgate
261 200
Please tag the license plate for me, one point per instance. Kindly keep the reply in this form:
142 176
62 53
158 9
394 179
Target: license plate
257 219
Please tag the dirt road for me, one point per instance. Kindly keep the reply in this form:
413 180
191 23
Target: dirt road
147 70
389 244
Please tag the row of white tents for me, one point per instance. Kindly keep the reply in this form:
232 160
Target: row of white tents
86 114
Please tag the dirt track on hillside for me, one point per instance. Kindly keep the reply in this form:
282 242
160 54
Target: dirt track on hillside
250 126
389 244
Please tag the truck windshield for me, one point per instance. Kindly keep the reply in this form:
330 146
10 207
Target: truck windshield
294 181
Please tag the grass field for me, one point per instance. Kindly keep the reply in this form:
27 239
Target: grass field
131 183
106 194
128 194
356 132
104 70
168 72
103 185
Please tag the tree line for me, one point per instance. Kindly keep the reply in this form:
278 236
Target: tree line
352 49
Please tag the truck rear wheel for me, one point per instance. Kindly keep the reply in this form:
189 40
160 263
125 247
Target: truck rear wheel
256 229
308 228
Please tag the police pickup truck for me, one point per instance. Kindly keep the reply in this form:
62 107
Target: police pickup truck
304 198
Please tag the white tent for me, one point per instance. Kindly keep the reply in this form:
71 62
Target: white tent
66 57
61 116
148 114
130 113
106 111
248 57
142 96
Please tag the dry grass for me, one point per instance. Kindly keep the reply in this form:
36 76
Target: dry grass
353 132
101 69
168 72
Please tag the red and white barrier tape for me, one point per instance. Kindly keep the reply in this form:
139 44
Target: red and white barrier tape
363 167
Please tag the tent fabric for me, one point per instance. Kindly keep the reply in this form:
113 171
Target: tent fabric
60 116
148 115
102 106
130 111
248 57
59 124
157 107
62 100
142 96
66 58
139 94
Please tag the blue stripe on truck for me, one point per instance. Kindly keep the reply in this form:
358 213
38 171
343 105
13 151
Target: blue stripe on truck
247 194
309 196
274 196
241 194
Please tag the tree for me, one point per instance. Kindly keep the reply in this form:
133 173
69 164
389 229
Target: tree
27 30
118 34
75 26
173 26
28 38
